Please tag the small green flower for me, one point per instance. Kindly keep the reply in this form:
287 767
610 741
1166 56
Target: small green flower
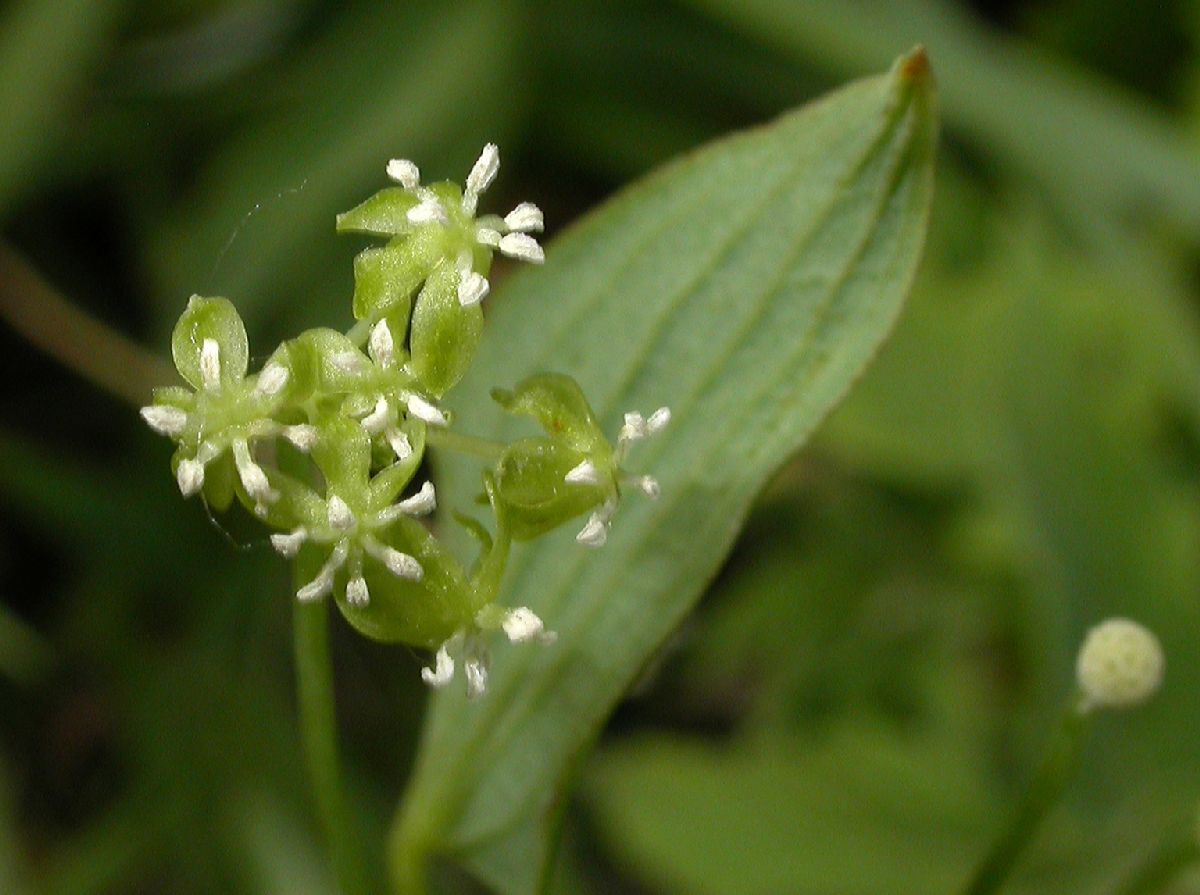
227 411
350 522
436 243
544 481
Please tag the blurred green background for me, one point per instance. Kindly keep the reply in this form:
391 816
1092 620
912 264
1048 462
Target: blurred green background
868 682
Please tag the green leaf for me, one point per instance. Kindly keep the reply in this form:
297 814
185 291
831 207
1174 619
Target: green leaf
862 812
746 286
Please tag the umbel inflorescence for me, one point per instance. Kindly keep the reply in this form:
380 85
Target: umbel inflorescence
322 444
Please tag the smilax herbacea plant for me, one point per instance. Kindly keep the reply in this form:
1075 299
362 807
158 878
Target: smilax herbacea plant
323 443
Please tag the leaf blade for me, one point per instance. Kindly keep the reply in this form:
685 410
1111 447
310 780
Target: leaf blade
670 304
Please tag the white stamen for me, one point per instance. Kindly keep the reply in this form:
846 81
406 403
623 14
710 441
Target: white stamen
399 564
487 236
649 486
428 211
190 476
481 176
475 668
583 474
323 583
442 671
357 593
272 380
472 289
315 589
400 443
658 420
165 420
210 365
420 504
404 173
594 533
523 247
288 545
376 421
382 345
402 565
525 218
303 436
339 514
522 625
424 411
254 480
634 428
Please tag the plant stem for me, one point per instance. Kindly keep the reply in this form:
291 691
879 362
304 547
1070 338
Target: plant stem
74 338
318 729
484 448
1044 790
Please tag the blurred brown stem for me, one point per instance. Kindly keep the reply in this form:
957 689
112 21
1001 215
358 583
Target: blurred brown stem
74 338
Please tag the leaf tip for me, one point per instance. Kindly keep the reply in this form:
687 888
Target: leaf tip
914 66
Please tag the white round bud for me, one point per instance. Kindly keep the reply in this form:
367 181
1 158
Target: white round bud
1120 665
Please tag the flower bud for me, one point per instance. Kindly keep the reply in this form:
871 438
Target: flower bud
1120 665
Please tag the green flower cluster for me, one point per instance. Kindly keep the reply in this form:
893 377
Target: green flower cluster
323 443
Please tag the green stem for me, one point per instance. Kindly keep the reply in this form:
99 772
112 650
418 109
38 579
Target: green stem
80 342
1044 790
1162 867
318 729
483 448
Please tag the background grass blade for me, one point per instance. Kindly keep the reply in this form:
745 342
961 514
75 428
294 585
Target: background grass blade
746 286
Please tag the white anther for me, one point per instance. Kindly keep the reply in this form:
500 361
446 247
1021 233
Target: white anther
594 533
585 473
165 420
254 480
424 411
348 362
190 476
658 420
525 218
404 173
323 583
472 289
210 365
357 593
420 504
302 436
271 380
315 589
634 428
475 669
399 442
381 344
442 671
523 247
288 545
339 514
522 625
376 421
649 486
428 211
399 564
488 237
481 176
